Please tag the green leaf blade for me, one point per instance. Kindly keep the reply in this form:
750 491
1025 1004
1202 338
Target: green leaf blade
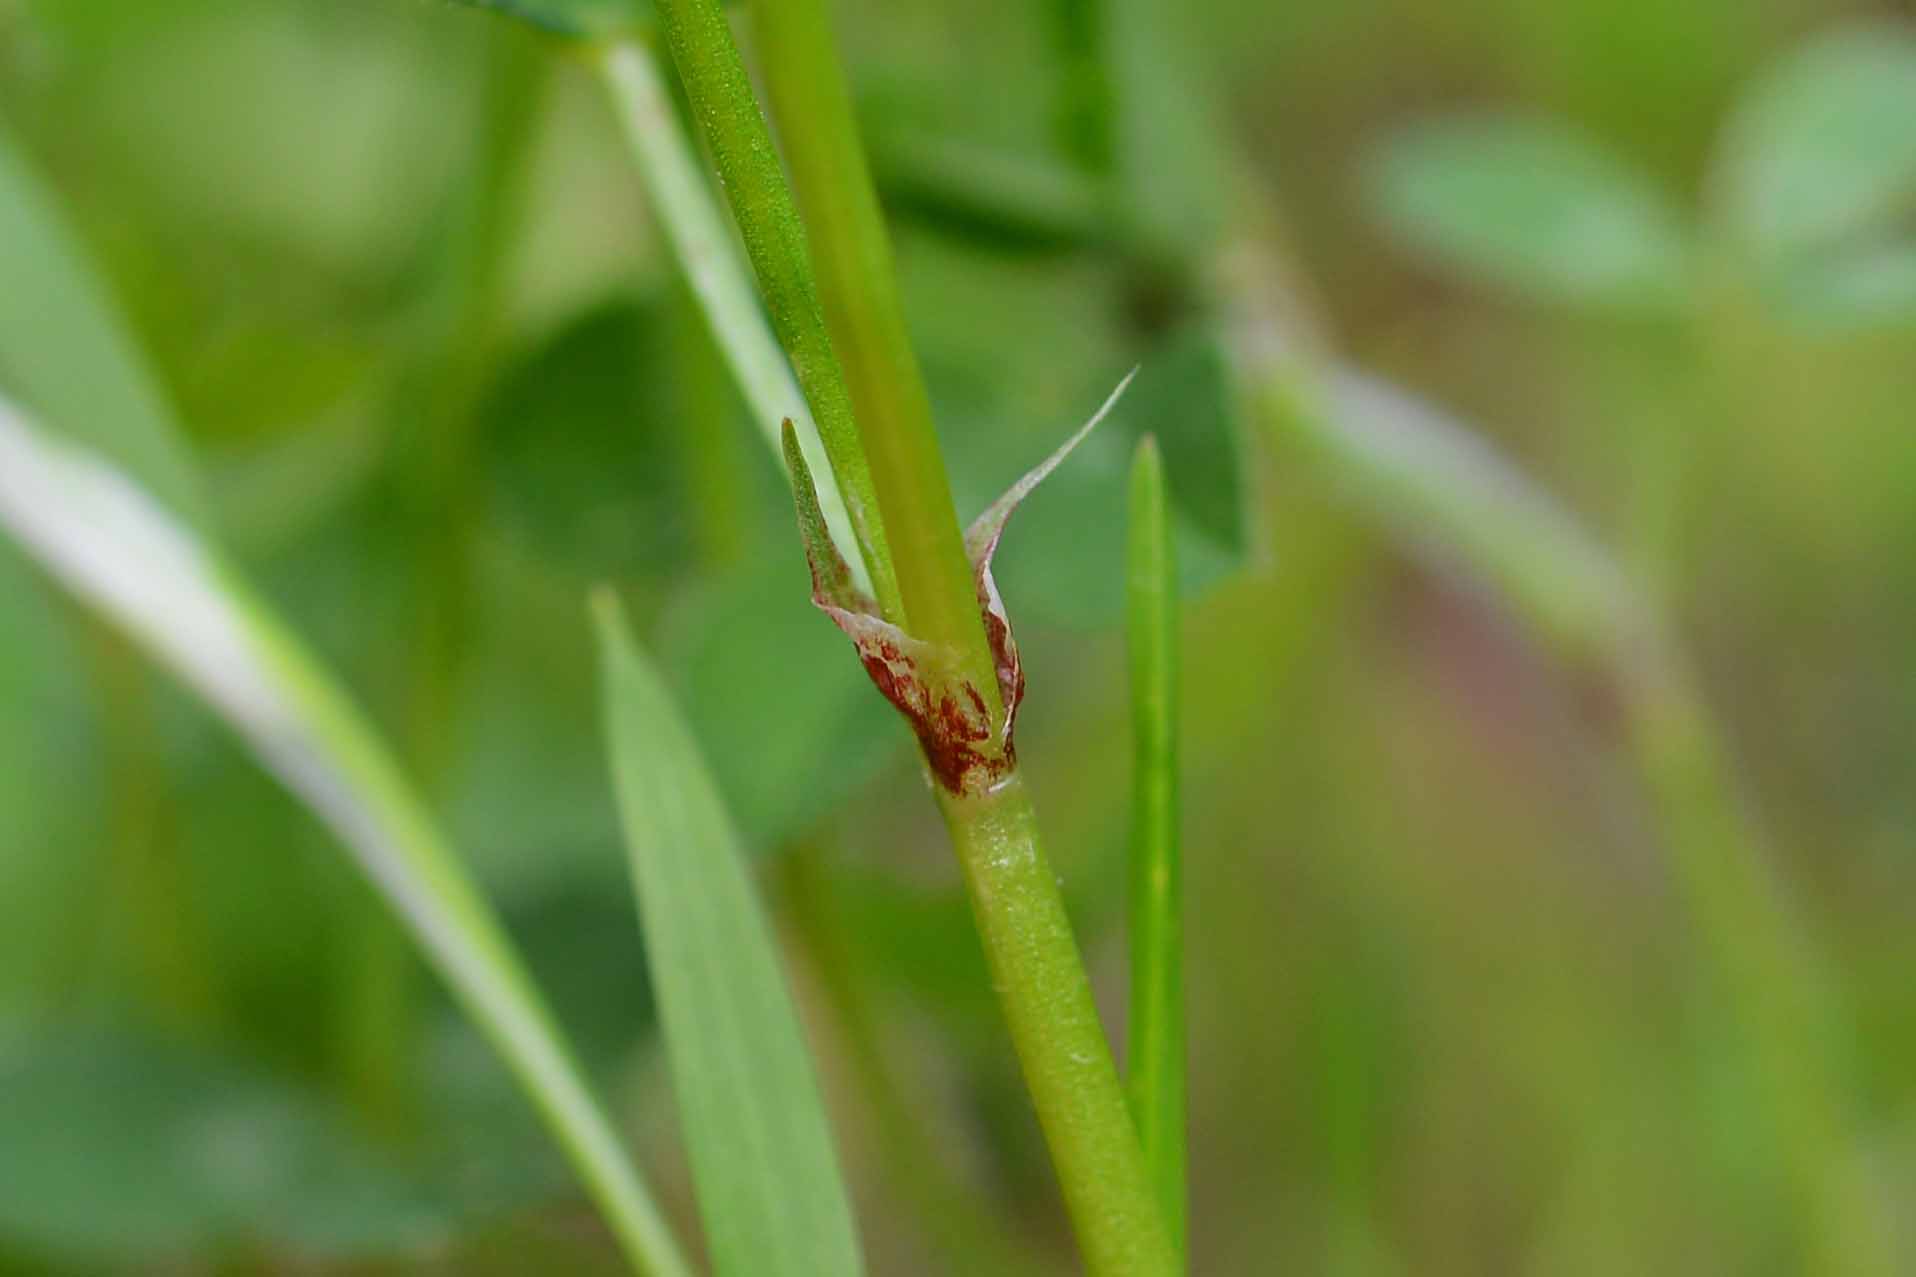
769 1188
1156 1058
1823 148
1533 209
112 545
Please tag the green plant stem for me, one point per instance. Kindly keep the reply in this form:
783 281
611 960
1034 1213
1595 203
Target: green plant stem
967 1237
1054 1025
1155 1061
857 282
1015 899
702 245
715 82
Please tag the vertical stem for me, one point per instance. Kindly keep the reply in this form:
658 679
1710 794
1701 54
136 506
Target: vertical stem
1015 899
702 246
1156 1058
967 1237
852 255
1054 1026
721 95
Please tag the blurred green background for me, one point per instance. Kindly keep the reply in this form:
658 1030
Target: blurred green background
1450 1014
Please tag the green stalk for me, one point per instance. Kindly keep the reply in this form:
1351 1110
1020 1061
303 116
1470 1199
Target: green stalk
1020 913
1054 1025
852 255
966 1236
1156 1058
721 95
701 242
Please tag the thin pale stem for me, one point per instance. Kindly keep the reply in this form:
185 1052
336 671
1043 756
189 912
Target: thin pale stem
714 77
852 255
1155 1061
701 242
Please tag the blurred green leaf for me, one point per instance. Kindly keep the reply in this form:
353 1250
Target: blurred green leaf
594 18
64 351
1869 288
755 1128
1824 146
327 138
1532 208
109 543
581 463
791 726
125 1150
1024 197
49 777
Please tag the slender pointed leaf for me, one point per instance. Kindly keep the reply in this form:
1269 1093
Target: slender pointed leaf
1155 1062
755 1129
109 543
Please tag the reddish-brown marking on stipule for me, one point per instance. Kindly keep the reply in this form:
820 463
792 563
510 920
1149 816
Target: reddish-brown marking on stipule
954 730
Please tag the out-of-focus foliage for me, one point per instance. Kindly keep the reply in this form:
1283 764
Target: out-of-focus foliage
1535 209
1447 1014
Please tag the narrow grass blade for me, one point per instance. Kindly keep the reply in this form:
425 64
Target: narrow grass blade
1156 1059
108 542
65 354
755 1129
